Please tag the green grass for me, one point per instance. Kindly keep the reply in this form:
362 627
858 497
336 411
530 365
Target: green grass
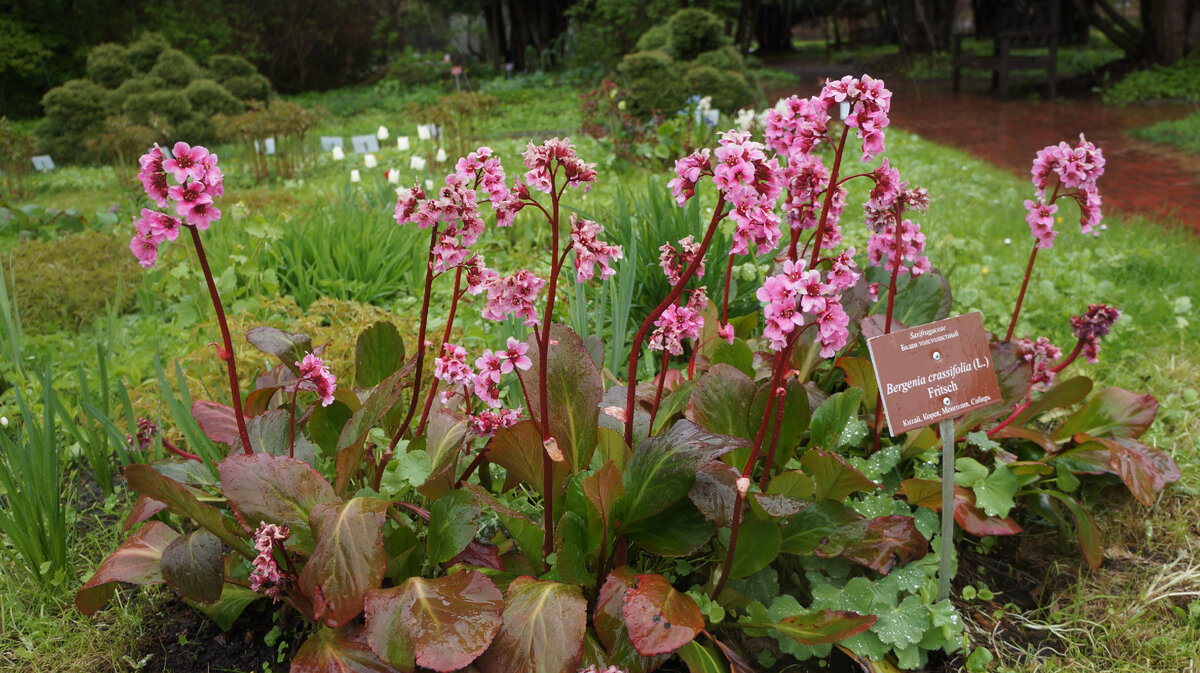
1181 134
1145 268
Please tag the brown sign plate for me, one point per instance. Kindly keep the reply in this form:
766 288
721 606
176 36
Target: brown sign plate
933 372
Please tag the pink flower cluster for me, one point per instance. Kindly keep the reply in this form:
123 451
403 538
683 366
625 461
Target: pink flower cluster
266 576
590 250
795 125
199 182
1093 326
751 183
1042 356
494 364
484 167
687 173
544 161
451 366
455 206
316 377
514 295
679 322
881 247
675 261
1076 170
869 112
1040 216
597 669
795 292
807 179
487 422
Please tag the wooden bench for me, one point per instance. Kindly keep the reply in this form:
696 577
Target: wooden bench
1020 24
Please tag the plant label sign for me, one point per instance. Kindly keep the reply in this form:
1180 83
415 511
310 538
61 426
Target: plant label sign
934 372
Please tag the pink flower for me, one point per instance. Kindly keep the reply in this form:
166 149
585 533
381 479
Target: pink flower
316 377
477 275
677 323
187 162
1074 167
153 176
887 186
844 274
145 249
795 125
1041 355
482 165
406 207
781 314
515 356
194 204
688 171
1093 326
1040 217
544 162
513 295
726 332
590 250
881 247
266 575
451 367
486 423
833 328
870 104
487 381
674 262
161 225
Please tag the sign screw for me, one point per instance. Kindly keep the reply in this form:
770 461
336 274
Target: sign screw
937 355
946 401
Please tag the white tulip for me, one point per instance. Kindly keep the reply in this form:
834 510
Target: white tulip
369 160
428 185
393 176
423 132
441 156
417 163
402 143
338 153
382 133
354 176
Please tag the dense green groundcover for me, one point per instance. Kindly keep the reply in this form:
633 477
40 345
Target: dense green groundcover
269 229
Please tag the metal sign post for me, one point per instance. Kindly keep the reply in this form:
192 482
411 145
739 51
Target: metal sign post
946 564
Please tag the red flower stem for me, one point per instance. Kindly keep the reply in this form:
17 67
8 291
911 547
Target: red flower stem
636 348
479 460
662 378
887 323
770 459
1012 324
725 299
543 398
292 423
1070 358
226 352
418 367
180 452
433 386
833 177
1012 417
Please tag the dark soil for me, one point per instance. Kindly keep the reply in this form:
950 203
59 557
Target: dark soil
182 640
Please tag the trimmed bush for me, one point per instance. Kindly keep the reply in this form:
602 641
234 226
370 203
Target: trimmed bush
171 104
209 98
655 38
144 53
729 89
255 87
65 283
225 67
693 32
652 80
176 68
725 58
74 111
108 65
137 85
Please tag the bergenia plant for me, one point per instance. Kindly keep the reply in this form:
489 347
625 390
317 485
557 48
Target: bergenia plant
500 510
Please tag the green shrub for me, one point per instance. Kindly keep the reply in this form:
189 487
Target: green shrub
176 68
144 53
226 66
1180 81
74 111
66 282
136 85
209 98
255 87
729 89
693 32
725 58
652 81
171 104
194 129
108 65
655 38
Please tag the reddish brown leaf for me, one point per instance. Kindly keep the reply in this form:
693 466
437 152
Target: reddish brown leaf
275 489
714 492
925 493
609 622
823 626
216 420
973 520
136 561
343 650
439 624
659 619
182 501
603 489
478 554
1039 437
194 565
519 451
542 632
143 509
737 663
879 544
1112 411
348 560
1144 469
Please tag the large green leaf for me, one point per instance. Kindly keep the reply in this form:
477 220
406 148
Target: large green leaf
834 478
721 401
348 560
796 417
679 530
343 650
831 420
759 542
1063 394
180 500
289 347
662 470
272 432
808 529
451 525
574 390
604 489
1112 411
714 492
273 489
702 659
519 451
542 632
822 626
571 546
136 561
229 606
350 441
194 565
658 618
924 298
378 353
439 624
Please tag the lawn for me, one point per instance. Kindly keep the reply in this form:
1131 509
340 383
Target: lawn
321 254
